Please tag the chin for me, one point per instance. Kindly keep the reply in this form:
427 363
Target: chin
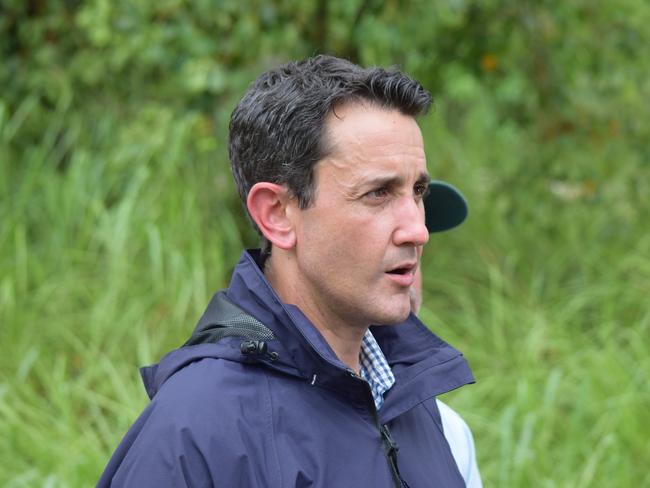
395 316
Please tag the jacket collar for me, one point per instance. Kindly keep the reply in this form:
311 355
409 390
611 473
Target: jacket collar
423 364
309 352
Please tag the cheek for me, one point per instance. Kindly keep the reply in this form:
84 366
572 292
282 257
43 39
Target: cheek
352 235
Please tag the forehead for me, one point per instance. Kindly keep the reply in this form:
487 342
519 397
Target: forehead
365 140
357 123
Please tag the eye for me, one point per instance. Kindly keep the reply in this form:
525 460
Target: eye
378 193
420 190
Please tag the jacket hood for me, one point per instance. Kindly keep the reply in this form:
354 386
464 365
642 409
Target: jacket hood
248 323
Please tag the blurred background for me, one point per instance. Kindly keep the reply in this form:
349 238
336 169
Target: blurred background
118 218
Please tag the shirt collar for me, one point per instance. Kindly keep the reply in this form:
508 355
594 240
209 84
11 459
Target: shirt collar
375 369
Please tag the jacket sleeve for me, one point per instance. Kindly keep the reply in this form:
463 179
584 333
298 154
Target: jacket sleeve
157 452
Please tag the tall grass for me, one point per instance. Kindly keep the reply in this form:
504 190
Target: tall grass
108 252
546 288
115 230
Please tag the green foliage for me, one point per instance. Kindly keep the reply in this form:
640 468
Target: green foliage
118 217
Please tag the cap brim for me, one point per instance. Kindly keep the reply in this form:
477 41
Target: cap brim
445 207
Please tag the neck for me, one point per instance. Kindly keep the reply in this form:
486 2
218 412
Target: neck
344 342
342 336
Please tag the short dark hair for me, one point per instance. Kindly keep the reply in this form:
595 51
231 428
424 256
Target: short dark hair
277 128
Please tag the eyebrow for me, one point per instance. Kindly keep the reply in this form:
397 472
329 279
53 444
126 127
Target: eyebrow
392 181
424 178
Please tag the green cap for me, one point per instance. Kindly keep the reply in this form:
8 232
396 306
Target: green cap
444 207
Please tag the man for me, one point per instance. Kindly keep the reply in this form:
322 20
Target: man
284 382
444 210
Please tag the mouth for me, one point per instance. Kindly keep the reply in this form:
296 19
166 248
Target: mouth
402 270
403 274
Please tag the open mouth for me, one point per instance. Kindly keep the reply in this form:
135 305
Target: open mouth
401 271
403 275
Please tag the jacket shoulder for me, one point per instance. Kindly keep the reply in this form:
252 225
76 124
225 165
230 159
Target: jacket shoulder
198 430
206 386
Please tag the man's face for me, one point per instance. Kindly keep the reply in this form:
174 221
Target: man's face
358 245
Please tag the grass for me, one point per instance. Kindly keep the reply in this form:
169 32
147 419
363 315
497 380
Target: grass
116 230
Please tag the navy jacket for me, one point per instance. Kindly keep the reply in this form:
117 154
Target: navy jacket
257 398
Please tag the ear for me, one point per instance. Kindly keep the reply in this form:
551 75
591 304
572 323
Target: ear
267 204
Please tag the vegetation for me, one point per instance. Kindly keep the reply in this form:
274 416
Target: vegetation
118 218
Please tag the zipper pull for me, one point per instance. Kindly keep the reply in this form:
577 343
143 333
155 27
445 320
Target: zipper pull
392 445
391 452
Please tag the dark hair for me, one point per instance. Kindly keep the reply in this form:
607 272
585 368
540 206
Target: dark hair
277 128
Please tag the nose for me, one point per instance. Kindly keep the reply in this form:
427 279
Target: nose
410 228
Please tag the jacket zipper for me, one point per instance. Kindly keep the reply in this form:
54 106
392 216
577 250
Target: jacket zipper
387 441
390 447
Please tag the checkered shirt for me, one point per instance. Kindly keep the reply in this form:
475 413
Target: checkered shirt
375 369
